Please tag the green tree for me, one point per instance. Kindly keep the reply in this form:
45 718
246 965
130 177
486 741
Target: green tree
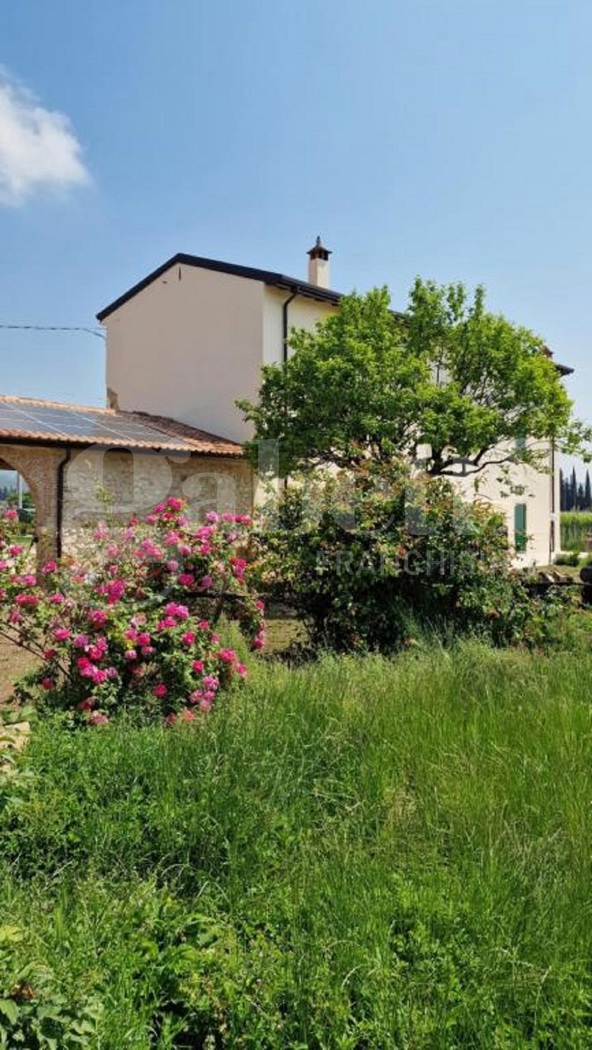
447 380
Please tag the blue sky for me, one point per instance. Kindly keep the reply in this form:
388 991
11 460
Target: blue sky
449 138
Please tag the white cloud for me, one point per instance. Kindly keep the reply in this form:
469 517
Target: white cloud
38 148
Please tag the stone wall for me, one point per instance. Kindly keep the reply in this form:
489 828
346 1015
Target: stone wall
114 485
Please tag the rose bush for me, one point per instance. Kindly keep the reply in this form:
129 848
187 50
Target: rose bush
132 624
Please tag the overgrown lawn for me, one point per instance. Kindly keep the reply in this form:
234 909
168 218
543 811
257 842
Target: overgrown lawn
356 854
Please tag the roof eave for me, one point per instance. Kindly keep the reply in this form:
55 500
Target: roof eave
277 280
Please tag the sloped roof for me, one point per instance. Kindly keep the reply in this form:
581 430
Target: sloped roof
44 422
277 280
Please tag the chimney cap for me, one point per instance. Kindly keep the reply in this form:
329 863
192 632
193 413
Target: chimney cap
318 251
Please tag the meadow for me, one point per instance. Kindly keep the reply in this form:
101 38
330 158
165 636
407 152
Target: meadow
576 528
354 854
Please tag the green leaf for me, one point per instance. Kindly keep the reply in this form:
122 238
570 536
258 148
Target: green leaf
10 1009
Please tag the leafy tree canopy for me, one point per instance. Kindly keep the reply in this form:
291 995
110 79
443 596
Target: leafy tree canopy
447 380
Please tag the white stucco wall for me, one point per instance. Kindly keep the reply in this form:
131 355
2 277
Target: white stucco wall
302 313
187 346
541 503
194 340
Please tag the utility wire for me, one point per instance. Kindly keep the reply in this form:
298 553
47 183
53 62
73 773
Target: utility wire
53 328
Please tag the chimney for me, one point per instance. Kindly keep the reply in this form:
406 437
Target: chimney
318 265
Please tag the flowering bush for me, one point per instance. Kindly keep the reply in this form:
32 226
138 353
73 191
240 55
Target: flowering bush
134 624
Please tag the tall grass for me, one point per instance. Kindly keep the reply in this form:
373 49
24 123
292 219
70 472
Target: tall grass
357 854
576 526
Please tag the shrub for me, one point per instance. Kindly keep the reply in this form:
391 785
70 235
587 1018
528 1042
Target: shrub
133 623
366 556
568 558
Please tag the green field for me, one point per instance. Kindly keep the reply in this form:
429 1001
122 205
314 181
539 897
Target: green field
356 854
576 527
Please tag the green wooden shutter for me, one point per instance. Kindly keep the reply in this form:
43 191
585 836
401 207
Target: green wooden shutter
520 537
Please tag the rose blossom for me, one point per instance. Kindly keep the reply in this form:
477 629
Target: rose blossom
96 718
228 656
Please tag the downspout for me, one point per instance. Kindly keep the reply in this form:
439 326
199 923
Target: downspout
285 306
285 334
553 531
60 501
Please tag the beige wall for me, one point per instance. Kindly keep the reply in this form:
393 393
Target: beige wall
194 341
186 347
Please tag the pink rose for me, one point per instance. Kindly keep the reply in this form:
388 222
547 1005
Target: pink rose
188 638
96 718
160 690
228 656
26 599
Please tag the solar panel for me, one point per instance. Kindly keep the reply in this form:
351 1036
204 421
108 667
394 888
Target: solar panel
92 426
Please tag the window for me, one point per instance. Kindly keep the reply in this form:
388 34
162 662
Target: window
520 537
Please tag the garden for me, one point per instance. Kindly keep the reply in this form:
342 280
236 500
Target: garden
372 831
207 846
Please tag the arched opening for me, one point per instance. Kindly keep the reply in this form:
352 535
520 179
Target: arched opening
16 494
19 492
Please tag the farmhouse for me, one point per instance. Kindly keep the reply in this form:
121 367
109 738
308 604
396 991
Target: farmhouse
191 337
182 345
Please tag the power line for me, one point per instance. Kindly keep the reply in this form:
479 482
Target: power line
54 328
